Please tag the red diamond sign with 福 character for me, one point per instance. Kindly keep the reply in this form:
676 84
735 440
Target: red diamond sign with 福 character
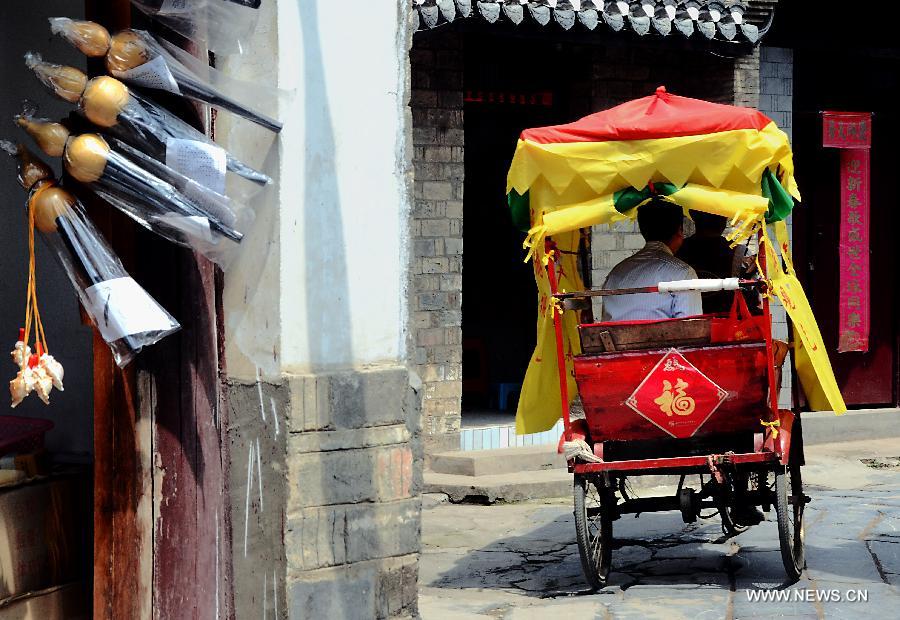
676 396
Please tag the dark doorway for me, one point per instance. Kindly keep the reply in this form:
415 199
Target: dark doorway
849 80
511 84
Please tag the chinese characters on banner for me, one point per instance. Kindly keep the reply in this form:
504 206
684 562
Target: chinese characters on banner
852 133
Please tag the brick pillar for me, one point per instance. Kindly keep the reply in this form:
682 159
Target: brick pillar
746 80
436 305
776 88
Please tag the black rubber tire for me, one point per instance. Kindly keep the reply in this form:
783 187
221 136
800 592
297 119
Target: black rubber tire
789 505
594 534
729 527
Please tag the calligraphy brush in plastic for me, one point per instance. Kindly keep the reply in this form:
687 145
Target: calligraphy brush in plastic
80 248
163 200
129 49
114 168
109 104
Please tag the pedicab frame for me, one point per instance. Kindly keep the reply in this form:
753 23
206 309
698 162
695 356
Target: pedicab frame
598 170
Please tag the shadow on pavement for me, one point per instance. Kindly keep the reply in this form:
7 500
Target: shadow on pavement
658 552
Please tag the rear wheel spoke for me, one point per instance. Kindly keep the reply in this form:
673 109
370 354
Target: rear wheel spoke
594 530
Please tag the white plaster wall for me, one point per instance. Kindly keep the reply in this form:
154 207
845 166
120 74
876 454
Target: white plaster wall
321 281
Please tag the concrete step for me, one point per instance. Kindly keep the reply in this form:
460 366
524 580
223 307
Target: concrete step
495 462
526 485
508 487
858 425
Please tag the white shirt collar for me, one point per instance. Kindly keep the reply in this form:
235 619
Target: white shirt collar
658 246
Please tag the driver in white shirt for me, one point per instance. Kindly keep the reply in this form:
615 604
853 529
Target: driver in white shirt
662 225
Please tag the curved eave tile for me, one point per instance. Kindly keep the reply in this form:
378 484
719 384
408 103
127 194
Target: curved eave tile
539 13
615 21
589 18
448 9
728 30
640 24
514 13
565 18
662 25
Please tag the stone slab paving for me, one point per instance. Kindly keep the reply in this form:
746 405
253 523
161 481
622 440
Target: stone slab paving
521 561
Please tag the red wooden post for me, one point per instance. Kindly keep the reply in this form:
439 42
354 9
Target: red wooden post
185 401
164 554
560 352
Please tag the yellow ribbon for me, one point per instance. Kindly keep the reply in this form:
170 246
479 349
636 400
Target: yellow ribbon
774 426
744 230
532 241
765 293
557 305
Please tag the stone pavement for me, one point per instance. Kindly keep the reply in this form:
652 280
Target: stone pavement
521 561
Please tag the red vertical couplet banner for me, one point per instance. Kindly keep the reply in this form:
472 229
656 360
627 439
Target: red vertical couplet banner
852 133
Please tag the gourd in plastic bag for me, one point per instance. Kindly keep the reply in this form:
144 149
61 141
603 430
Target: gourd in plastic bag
127 317
136 57
134 119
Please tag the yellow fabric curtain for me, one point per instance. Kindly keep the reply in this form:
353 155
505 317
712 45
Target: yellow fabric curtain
539 400
810 355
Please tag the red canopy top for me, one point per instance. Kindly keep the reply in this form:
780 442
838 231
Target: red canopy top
661 115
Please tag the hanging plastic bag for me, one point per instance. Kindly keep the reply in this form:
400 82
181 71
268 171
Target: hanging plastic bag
157 197
136 57
223 26
127 317
134 119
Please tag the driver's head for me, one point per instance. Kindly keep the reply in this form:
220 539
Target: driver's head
661 220
709 224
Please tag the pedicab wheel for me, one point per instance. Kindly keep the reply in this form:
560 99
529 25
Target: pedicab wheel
730 527
789 504
593 529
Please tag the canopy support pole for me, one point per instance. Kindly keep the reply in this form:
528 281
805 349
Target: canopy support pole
550 248
770 349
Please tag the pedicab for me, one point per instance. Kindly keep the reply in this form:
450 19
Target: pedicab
694 396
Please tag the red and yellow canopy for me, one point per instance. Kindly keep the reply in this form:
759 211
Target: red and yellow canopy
706 156
718 155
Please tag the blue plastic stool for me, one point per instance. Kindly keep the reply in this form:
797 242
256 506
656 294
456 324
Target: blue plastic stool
502 392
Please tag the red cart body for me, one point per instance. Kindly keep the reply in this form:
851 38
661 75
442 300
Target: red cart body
631 396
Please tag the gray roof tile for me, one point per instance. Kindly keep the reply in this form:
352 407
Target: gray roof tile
704 19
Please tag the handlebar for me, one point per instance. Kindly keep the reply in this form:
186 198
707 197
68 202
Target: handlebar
700 285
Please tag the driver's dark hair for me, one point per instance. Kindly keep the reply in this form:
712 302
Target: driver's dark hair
659 220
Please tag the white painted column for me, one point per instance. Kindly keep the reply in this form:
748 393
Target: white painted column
321 284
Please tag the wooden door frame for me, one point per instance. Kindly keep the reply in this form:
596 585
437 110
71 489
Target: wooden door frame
162 535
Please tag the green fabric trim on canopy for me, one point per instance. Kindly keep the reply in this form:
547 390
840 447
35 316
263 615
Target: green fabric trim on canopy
780 201
519 210
627 199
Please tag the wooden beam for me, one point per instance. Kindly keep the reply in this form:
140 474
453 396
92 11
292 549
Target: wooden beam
162 532
122 493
